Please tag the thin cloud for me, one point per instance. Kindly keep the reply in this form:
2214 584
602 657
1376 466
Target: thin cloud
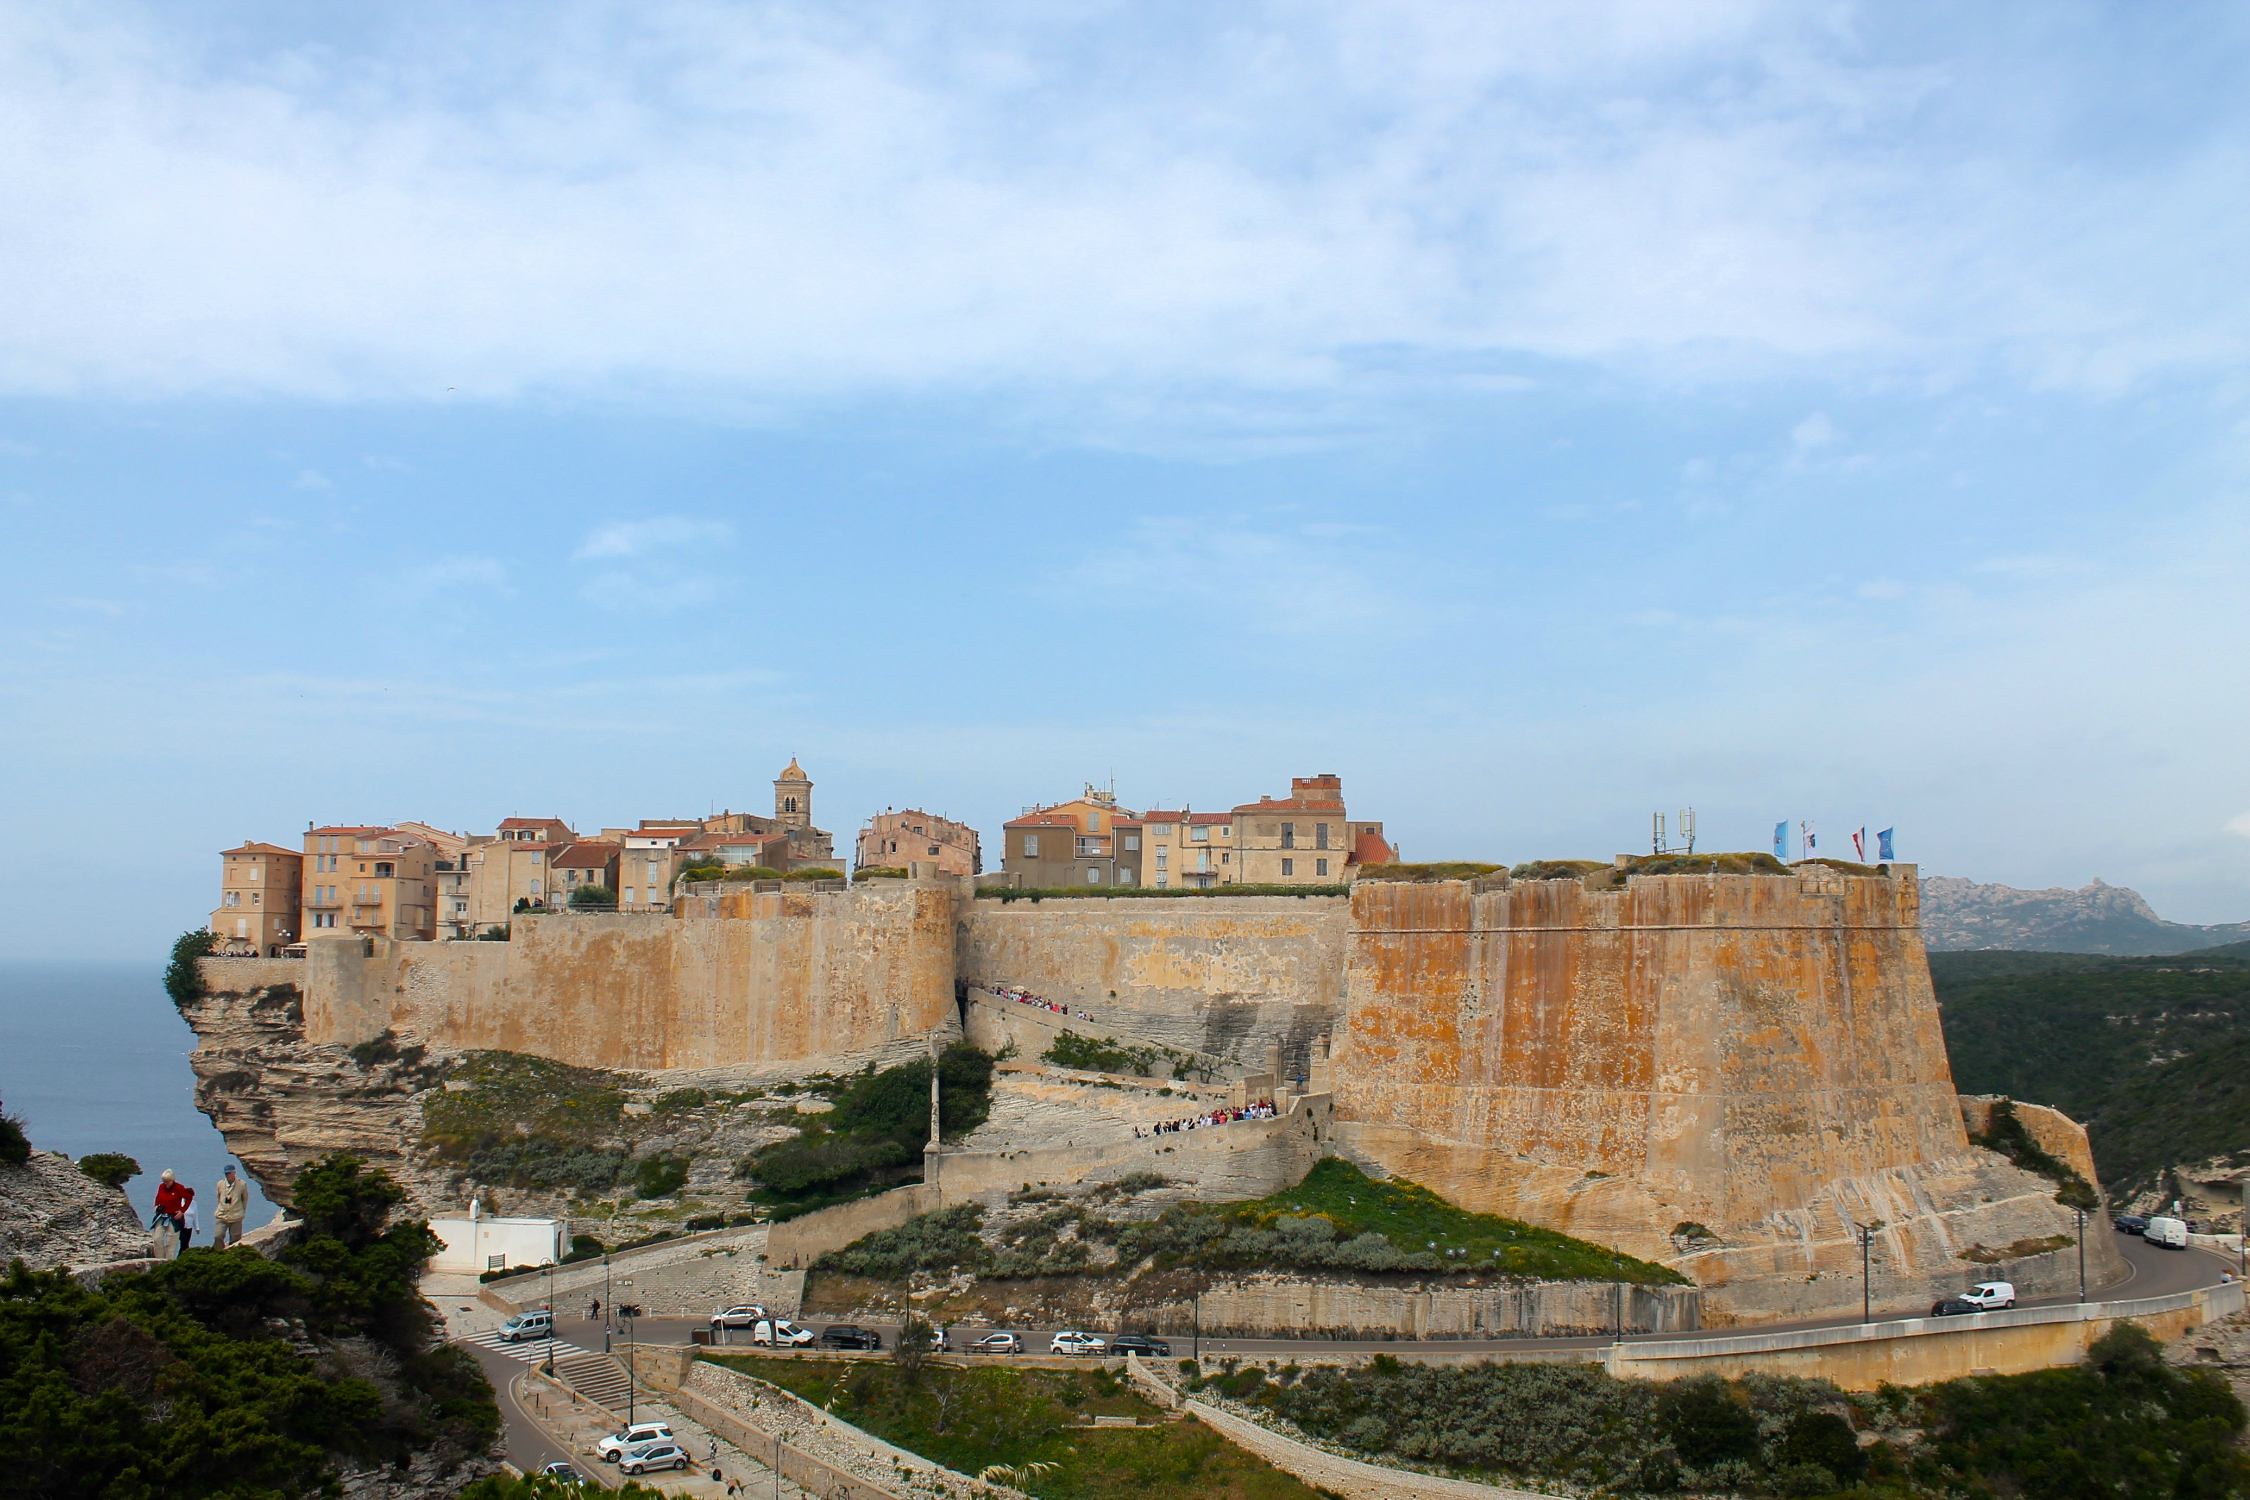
663 534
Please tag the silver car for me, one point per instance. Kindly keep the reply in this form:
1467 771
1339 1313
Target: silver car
664 1455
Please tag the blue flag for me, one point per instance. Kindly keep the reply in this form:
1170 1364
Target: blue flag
1781 840
1883 844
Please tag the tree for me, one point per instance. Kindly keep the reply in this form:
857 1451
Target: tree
913 1349
183 977
15 1146
593 895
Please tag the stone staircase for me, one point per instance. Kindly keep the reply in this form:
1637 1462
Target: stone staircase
597 1377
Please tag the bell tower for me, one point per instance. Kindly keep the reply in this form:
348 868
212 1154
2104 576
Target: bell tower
792 797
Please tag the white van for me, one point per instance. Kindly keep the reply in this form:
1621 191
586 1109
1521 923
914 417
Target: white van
2171 1233
1989 1295
782 1332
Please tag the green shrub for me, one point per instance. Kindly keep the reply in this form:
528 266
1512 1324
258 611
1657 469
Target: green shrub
1755 863
1097 1055
754 872
584 1247
15 1145
879 1126
110 1168
2005 1133
1006 893
679 1101
183 976
927 1242
1558 869
881 872
660 1176
592 895
497 933
814 875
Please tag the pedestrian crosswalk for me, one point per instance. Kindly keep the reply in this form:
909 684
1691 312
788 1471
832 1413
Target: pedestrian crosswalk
530 1351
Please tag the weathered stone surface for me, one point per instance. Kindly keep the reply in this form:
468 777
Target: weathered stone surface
52 1214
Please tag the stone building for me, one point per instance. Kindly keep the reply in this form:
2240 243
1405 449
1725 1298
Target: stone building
891 839
1305 838
377 882
1067 843
260 893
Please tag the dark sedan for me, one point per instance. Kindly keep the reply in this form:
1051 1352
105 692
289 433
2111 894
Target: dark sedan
2129 1224
850 1336
1952 1307
1141 1344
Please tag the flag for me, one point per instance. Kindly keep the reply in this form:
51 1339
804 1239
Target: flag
1859 845
1883 845
1812 841
1781 840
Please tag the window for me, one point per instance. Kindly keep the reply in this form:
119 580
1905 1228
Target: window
1226 830
257 872
1320 836
1203 860
1093 822
1288 835
1200 834
1288 867
788 804
233 898
1093 875
257 898
652 895
1162 878
1031 846
1162 854
1320 867
1223 855
1132 841
385 870
933 851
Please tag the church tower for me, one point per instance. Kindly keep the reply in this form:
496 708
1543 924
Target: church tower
792 798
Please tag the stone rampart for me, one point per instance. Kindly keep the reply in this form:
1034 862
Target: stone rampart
783 977
1211 974
1282 1306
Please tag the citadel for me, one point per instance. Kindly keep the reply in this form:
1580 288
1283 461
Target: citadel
1737 1075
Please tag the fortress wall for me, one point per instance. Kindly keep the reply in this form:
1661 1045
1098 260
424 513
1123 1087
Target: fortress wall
1212 974
784 976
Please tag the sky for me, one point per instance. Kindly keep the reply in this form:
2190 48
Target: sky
1540 415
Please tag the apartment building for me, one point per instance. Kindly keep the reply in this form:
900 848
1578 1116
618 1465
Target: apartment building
894 838
1067 843
1187 848
374 881
581 865
513 865
1305 838
260 898
651 856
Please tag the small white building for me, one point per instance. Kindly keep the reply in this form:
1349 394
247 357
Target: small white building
486 1242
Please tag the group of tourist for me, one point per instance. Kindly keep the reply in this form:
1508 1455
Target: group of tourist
176 1221
1262 1110
1025 997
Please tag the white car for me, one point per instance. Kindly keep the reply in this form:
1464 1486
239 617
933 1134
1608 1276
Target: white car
1987 1295
1069 1341
640 1434
528 1325
997 1343
665 1455
739 1317
781 1332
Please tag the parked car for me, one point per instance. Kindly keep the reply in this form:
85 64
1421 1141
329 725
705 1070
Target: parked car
1141 1344
640 1434
739 1317
1953 1307
850 1336
997 1343
664 1455
567 1473
2129 1224
1071 1341
1987 1295
528 1325
780 1333
2170 1233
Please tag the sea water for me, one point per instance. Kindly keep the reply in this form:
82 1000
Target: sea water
94 1057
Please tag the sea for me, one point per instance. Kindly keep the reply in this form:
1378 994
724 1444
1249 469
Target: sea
94 1057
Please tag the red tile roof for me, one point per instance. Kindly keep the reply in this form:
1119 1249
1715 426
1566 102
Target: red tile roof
1211 817
585 856
535 823
354 832
1370 849
1289 804
248 847
1042 820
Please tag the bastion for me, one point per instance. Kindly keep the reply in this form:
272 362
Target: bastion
1733 1074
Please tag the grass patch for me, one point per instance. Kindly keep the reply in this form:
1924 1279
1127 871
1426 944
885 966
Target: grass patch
1558 869
1706 864
1006 893
1095 1055
2005 1133
971 1419
1336 1219
1459 869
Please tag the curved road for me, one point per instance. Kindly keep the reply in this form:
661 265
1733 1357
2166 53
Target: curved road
2151 1272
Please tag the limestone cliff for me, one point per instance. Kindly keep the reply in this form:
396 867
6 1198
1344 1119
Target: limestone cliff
1966 914
52 1214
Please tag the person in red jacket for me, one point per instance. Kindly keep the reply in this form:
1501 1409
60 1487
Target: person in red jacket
172 1199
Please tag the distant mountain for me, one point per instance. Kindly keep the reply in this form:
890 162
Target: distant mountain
1960 915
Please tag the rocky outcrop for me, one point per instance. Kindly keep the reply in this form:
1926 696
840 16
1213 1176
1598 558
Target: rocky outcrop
52 1214
1962 914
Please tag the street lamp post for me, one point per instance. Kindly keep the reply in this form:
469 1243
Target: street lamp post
550 1367
608 1311
2081 1252
632 1370
1866 1285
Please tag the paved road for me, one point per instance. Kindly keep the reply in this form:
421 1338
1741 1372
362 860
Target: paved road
2151 1272
529 1448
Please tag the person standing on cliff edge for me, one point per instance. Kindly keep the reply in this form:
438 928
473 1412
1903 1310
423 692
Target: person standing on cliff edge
172 1199
228 1210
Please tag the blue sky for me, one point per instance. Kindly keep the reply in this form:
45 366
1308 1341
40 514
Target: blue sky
1541 415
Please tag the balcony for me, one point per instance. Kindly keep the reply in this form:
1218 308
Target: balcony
1093 848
